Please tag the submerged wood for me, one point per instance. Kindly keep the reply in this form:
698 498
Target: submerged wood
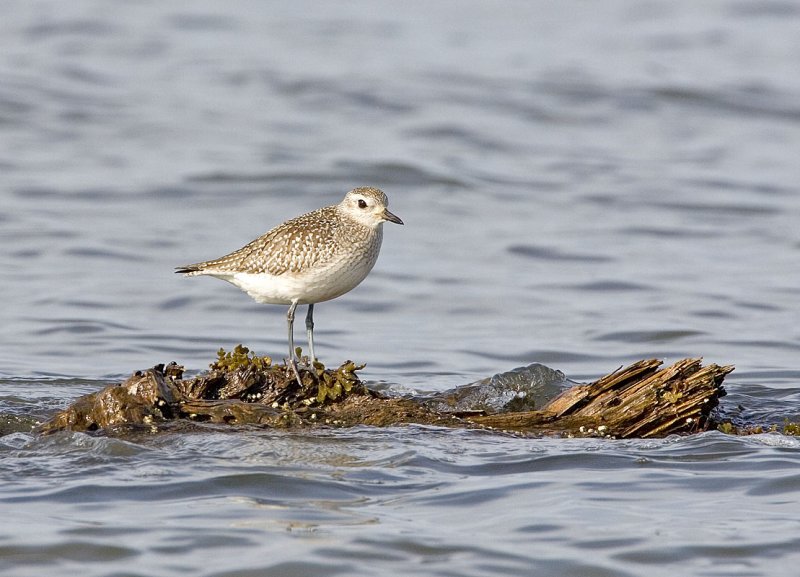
640 400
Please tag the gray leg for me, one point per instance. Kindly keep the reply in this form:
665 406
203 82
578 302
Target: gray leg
310 332
292 361
290 322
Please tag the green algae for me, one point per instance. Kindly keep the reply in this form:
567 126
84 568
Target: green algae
335 385
240 358
727 427
320 386
790 428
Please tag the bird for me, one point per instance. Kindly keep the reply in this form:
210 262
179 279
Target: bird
310 259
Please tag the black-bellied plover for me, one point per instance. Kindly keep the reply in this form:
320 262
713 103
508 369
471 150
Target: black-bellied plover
310 259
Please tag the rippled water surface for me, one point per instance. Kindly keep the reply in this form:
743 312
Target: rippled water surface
583 185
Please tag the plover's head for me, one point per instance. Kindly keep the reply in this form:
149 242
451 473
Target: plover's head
368 206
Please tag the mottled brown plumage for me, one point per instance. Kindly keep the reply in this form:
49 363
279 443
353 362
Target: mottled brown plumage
309 259
296 245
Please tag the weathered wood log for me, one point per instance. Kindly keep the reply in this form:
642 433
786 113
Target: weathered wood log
641 400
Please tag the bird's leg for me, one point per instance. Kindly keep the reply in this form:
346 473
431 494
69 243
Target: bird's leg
310 332
292 361
290 321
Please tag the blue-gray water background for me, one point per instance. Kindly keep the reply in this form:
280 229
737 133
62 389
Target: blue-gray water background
583 184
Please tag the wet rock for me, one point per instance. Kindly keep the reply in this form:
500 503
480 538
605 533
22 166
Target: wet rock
522 389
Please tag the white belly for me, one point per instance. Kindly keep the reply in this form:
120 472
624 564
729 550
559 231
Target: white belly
311 286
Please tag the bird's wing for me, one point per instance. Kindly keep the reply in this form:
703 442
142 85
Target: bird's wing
291 247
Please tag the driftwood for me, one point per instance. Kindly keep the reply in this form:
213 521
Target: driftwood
640 400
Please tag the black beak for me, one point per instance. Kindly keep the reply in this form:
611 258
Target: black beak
391 217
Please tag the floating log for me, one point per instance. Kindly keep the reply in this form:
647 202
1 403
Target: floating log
640 400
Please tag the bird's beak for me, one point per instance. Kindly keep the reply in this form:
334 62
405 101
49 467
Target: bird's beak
391 217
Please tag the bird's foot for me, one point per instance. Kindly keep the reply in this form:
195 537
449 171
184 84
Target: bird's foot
293 363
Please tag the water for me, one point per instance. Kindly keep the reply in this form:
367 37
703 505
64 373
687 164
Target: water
583 185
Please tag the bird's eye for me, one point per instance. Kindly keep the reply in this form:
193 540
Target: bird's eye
362 203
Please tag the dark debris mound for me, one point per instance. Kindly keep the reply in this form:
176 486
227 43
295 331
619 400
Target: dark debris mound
643 399
240 388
